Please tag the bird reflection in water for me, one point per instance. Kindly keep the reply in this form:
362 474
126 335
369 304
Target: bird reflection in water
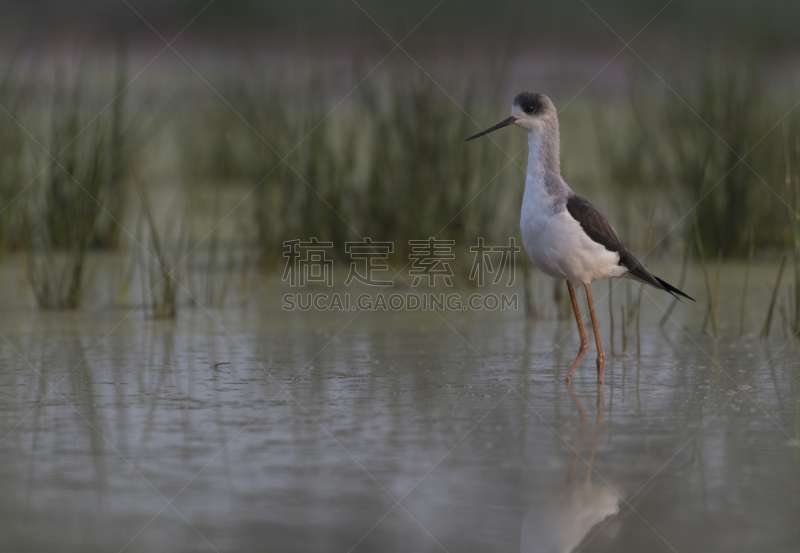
581 514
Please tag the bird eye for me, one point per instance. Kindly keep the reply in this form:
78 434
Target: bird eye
529 109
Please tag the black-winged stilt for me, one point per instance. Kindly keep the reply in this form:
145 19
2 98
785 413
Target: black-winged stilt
566 236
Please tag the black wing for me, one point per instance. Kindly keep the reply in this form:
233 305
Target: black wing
600 230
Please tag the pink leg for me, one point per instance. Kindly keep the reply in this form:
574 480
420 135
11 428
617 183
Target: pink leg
584 340
601 357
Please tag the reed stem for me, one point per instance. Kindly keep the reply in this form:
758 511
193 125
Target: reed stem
715 311
702 256
768 322
624 332
746 284
682 280
641 286
611 313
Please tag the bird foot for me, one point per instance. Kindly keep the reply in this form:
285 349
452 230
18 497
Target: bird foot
581 352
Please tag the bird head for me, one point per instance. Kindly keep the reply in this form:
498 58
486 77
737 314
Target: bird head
530 110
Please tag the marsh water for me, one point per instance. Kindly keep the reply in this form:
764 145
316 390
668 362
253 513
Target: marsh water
252 429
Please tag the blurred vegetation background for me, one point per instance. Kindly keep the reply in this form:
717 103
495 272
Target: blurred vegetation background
191 162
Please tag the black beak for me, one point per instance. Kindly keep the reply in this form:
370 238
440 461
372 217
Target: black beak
500 125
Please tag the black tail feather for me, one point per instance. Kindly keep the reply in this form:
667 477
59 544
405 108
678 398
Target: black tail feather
672 290
646 276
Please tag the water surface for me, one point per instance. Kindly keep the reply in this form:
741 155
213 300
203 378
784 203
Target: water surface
250 429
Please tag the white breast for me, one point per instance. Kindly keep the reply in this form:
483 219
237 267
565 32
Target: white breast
557 244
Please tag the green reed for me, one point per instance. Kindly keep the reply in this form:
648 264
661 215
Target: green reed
157 262
792 182
684 146
389 163
12 142
73 197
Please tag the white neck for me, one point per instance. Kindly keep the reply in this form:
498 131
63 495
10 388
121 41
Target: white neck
535 162
543 183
